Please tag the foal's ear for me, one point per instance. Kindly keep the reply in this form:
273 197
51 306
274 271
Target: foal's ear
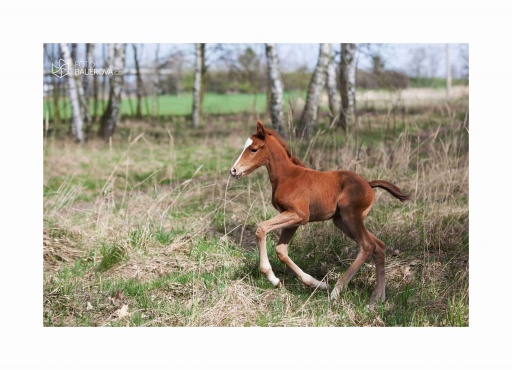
260 130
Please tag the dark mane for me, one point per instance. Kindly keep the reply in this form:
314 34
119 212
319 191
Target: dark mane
295 160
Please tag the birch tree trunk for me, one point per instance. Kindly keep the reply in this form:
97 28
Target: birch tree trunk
316 85
110 118
84 106
448 74
203 78
107 54
276 90
87 84
178 77
95 93
74 47
82 98
196 102
332 89
87 87
55 81
154 108
138 110
76 117
347 85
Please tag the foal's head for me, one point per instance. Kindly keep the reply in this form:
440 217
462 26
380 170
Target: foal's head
255 153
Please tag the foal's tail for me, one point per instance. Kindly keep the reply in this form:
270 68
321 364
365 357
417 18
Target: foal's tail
394 190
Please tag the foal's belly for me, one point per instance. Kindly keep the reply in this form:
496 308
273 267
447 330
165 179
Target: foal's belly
321 211
315 197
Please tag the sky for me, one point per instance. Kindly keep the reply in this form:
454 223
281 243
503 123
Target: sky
429 58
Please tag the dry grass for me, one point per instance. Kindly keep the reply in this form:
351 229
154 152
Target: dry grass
152 222
412 97
58 251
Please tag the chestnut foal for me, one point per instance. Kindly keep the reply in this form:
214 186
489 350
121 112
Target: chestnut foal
303 195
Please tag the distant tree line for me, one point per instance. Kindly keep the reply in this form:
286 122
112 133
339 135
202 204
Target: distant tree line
97 99
234 81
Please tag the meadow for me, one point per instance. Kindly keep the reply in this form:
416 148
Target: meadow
170 106
149 229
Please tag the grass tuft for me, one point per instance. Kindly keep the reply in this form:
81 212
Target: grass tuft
111 255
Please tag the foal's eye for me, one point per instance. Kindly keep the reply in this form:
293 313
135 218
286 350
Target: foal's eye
254 150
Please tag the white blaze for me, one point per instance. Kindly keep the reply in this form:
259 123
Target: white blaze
247 143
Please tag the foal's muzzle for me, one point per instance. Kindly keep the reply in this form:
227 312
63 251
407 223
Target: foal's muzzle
235 174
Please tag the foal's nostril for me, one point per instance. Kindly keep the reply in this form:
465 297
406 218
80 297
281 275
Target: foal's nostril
233 171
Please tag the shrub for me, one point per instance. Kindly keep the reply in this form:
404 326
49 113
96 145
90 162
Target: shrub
381 80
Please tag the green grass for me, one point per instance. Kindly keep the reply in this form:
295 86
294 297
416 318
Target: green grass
434 82
111 255
170 105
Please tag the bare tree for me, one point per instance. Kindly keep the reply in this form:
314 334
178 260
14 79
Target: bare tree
138 110
316 85
88 86
156 79
347 84
464 60
89 52
76 116
82 99
248 68
110 118
332 89
448 74
250 73
74 50
52 56
275 90
433 63
84 106
107 52
203 77
196 102
177 61
95 96
418 57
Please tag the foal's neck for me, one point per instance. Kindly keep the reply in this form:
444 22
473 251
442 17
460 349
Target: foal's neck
279 165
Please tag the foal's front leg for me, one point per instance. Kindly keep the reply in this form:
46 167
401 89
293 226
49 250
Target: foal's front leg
285 219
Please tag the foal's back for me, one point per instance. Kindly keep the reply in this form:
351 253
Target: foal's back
318 195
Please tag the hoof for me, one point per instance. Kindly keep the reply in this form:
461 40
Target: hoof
377 298
335 294
323 285
278 285
274 280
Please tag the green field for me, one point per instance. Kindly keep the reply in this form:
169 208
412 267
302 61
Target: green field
169 105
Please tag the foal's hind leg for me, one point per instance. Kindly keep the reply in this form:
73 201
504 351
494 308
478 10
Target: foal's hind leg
379 256
341 225
282 254
352 225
